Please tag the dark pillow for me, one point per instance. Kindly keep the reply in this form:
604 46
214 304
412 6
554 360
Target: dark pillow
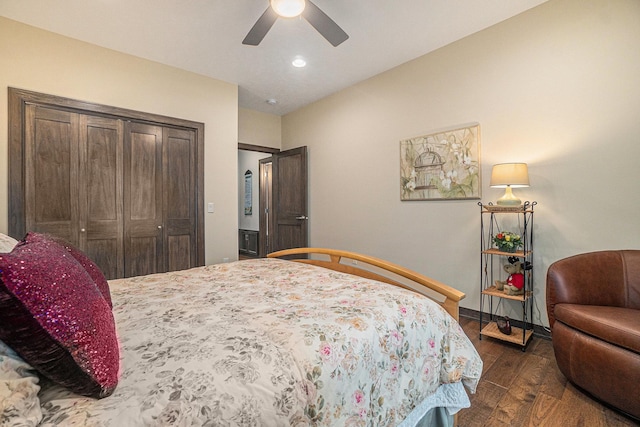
91 268
53 315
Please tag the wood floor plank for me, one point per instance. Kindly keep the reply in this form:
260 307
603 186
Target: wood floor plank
515 408
483 402
541 347
527 389
543 413
506 368
579 410
554 382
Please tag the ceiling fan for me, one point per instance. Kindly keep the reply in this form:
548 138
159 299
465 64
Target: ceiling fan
292 8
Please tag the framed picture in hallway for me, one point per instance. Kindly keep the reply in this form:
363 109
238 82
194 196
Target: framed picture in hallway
441 166
248 193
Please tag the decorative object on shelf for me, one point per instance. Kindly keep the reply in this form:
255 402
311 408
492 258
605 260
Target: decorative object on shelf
504 325
441 166
507 241
514 285
508 176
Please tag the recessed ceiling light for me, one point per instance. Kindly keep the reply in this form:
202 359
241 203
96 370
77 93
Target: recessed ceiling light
271 101
299 62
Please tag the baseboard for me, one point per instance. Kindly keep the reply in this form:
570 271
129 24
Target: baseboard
538 330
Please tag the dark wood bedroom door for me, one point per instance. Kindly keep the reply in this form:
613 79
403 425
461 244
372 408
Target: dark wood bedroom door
290 215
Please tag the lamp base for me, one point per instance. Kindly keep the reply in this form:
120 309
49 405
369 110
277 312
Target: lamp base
508 199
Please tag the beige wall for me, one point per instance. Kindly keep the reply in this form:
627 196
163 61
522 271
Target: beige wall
556 87
257 128
40 61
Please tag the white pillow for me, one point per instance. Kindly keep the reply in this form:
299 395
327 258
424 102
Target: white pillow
7 243
19 403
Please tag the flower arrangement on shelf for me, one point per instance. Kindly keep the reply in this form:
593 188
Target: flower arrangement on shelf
507 241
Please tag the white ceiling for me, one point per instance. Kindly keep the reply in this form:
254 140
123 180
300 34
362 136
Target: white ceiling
205 36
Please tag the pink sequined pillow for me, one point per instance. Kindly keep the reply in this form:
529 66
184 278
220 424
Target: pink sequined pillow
55 318
90 267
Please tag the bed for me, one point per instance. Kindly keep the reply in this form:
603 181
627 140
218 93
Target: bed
268 342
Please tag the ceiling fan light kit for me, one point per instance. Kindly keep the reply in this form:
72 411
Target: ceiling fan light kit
309 11
288 8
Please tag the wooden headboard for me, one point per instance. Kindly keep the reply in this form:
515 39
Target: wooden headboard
383 271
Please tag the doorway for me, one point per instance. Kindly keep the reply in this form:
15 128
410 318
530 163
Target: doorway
281 206
253 193
265 203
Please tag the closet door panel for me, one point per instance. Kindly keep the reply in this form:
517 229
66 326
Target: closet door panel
143 199
180 257
101 207
145 256
179 152
178 172
51 154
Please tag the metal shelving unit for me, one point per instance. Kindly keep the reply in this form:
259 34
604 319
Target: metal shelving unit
491 270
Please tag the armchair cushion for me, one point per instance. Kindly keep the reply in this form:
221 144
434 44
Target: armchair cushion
618 326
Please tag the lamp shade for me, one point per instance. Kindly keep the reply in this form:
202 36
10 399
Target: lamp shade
288 8
509 175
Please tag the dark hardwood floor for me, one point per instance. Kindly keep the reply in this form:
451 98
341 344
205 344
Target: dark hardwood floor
527 389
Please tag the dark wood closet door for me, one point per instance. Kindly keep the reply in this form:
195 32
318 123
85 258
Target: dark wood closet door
179 156
51 157
143 245
100 191
124 186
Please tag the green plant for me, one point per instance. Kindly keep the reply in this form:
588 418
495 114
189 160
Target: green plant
507 241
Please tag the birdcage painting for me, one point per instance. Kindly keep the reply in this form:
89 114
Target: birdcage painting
441 166
428 167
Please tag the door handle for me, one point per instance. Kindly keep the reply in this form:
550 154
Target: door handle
302 217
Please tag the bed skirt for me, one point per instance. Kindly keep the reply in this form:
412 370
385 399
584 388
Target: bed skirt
438 410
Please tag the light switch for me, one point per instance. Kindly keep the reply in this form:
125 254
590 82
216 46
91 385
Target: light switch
210 207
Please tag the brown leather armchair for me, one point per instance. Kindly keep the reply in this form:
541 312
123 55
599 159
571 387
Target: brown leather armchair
593 303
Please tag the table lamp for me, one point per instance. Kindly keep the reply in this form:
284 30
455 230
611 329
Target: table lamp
508 176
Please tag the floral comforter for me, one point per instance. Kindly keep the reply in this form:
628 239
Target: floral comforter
269 342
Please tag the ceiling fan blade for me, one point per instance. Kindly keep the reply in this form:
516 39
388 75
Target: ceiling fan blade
261 27
325 25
